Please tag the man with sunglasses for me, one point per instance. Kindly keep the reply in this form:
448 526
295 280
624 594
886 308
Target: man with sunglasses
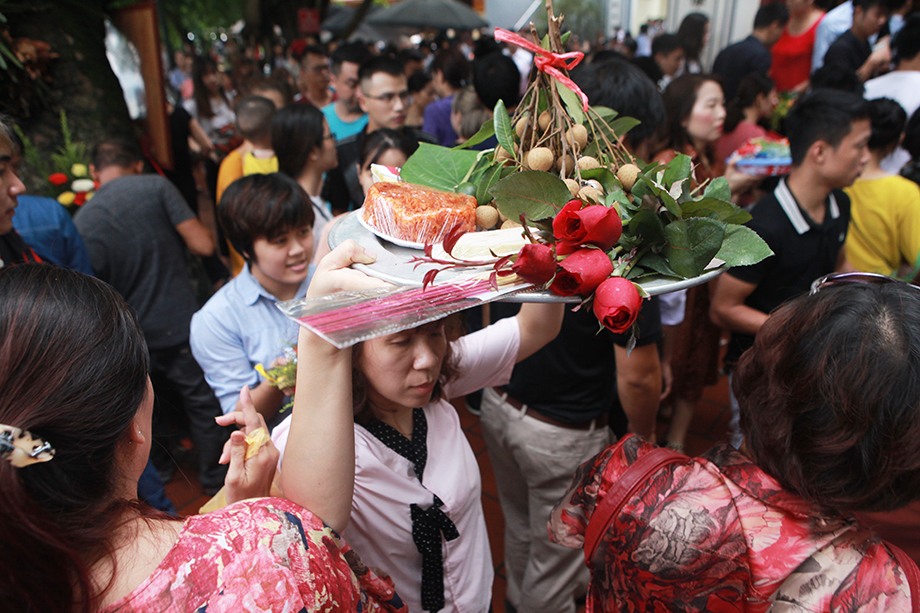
804 220
383 93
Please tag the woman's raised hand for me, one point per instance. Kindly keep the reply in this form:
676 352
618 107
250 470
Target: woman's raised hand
252 477
334 275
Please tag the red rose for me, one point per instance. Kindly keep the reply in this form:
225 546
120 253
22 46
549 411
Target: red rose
58 178
581 273
594 224
536 263
80 199
617 303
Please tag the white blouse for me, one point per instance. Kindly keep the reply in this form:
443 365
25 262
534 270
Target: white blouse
380 530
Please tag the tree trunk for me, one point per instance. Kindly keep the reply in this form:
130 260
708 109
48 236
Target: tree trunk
82 83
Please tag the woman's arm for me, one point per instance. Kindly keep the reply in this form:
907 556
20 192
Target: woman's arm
540 323
318 468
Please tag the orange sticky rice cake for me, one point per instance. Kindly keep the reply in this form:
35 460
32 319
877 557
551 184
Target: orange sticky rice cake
416 213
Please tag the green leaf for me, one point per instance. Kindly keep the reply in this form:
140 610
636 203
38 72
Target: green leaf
486 132
604 113
677 170
718 209
504 132
635 272
656 262
438 167
670 203
604 177
564 38
490 177
692 243
536 194
647 224
718 188
619 196
623 125
743 247
572 103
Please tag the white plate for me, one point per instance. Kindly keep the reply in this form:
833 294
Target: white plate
394 264
386 237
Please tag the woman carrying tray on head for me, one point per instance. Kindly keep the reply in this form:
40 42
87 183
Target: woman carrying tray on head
376 447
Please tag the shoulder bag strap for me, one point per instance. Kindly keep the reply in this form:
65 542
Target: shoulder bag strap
622 490
911 571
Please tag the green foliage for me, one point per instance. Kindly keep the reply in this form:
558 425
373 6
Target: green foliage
439 167
537 195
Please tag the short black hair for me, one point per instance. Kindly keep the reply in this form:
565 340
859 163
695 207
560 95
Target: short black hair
906 44
886 5
314 50
663 44
454 67
356 53
496 77
380 63
297 130
822 114
257 206
119 152
888 119
912 136
418 81
623 87
254 117
768 14
837 76
405 56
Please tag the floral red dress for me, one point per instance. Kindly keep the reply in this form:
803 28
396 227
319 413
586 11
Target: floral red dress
716 533
265 554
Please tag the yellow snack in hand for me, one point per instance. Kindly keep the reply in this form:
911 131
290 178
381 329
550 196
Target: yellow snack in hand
255 441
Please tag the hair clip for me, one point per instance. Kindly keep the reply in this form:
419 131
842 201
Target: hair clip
20 448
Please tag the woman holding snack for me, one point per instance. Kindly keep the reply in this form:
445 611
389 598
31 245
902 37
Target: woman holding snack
75 419
379 451
695 110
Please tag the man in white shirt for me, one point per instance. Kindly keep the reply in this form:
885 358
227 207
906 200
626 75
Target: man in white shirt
902 84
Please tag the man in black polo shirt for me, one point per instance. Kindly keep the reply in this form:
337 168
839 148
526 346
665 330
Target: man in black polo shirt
804 220
751 55
852 49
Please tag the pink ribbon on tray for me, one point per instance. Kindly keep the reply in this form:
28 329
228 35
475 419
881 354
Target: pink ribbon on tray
548 62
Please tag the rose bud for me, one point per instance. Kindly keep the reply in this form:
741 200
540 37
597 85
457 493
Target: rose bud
58 178
582 272
616 304
577 224
536 263
602 226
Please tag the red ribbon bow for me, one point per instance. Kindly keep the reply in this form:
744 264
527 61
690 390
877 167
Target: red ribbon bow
549 62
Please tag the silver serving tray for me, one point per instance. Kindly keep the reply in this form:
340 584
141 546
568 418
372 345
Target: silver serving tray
395 266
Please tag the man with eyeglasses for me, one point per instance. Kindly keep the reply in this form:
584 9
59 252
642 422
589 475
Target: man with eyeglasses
345 116
384 95
314 77
804 220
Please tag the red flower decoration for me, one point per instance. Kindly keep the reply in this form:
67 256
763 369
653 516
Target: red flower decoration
536 263
581 273
80 199
617 303
594 224
58 178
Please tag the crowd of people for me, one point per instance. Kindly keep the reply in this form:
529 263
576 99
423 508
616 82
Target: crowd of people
111 359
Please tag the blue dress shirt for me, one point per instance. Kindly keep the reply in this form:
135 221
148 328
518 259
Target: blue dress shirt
239 327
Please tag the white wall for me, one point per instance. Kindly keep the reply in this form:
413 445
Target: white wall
730 21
